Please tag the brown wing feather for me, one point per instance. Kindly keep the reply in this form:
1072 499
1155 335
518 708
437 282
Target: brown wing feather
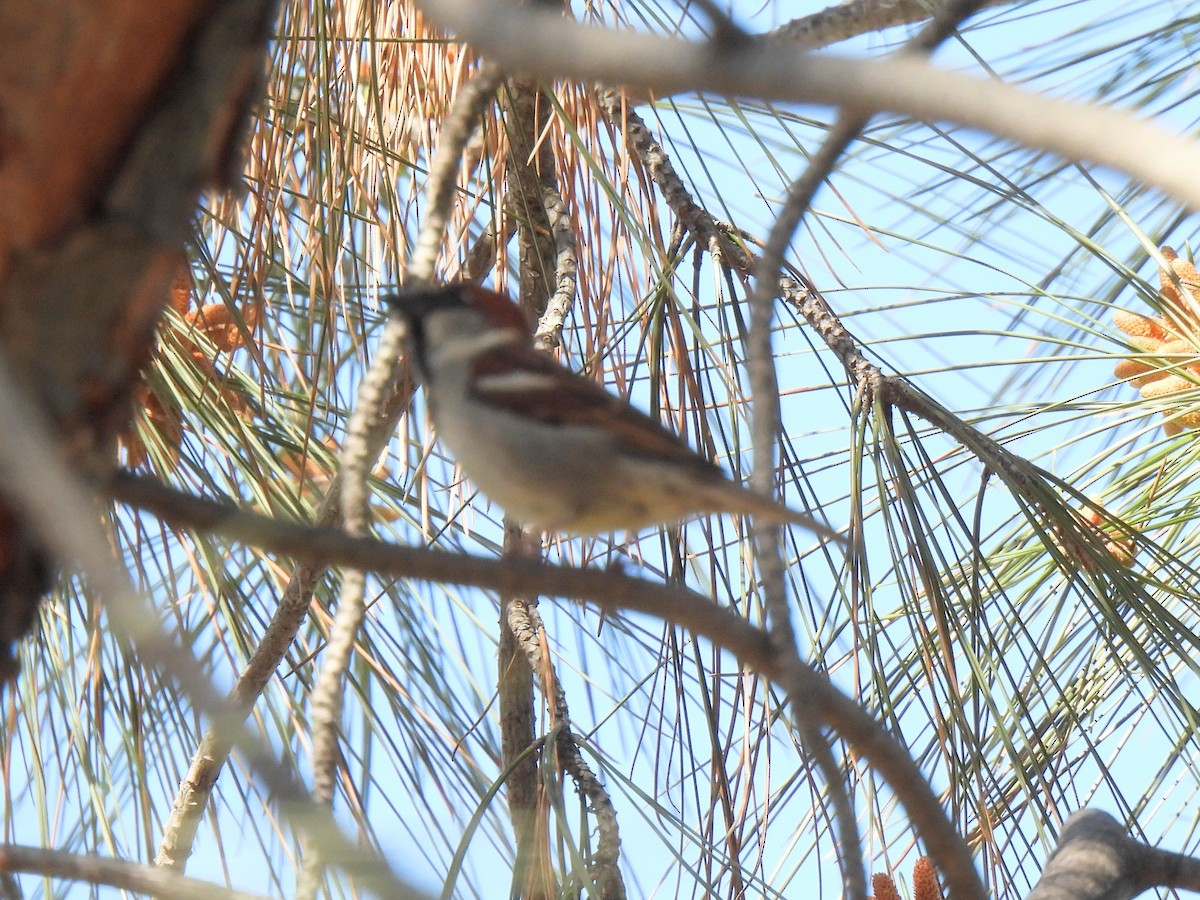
576 400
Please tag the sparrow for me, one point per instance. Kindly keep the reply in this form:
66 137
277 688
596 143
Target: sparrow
555 449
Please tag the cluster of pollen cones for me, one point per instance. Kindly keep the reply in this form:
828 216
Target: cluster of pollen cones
1172 339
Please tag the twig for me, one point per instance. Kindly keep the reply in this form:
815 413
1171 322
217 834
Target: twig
530 167
604 865
853 18
115 873
524 625
694 218
548 286
548 334
612 592
360 450
846 128
605 868
765 388
515 698
760 365
531 178
35 477
532 40
180 830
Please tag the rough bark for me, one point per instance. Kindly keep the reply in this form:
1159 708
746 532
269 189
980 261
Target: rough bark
114 114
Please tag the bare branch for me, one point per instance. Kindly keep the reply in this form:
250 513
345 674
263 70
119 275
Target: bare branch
534 41
853 18
518 657
760 364
761 367
35 476
641 141
548 268
1096 859
610 591
321 547
362 447
115 873
524 627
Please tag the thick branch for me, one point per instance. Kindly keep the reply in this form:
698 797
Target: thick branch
1096 859
113 115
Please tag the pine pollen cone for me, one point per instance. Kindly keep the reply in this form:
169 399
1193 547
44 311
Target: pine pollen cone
1172 338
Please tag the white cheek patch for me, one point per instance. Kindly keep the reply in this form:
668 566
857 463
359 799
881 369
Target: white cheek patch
456 347
518 382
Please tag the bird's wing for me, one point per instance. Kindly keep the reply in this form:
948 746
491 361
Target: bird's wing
532 384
